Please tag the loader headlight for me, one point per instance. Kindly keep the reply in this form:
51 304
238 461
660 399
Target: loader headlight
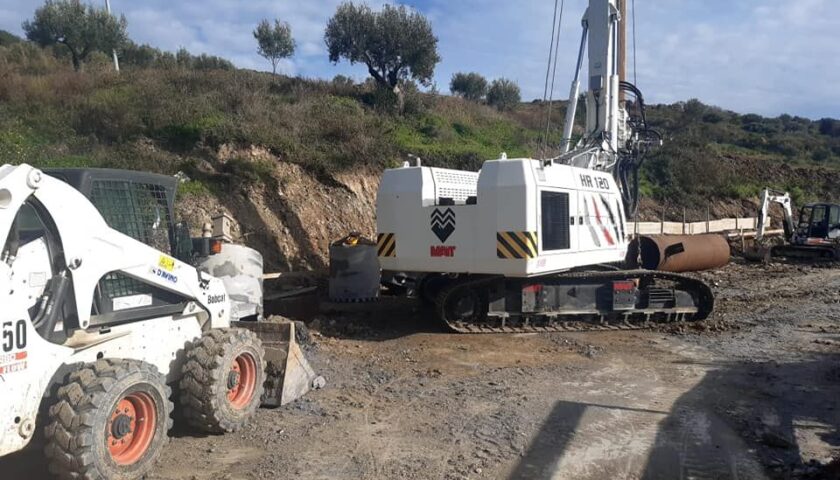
5 198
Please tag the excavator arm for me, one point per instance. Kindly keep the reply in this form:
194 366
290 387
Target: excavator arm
782 198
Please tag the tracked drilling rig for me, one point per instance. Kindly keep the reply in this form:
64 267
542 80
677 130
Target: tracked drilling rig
539 244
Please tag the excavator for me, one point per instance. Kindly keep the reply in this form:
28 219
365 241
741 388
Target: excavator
533 245
103 316
815 237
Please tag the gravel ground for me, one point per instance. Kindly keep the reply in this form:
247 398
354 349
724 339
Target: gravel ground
752 393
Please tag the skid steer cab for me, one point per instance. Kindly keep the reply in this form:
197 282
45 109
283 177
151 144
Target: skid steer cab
100 321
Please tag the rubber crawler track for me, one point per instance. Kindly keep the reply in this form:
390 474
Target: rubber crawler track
634 320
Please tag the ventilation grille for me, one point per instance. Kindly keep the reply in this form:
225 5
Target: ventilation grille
661 297
455 184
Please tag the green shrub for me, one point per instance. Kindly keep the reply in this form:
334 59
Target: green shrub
193 188
111 114
504 94
17 146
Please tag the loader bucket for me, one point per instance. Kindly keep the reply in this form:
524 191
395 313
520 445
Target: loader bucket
288 375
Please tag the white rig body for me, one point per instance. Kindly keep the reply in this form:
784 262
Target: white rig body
517 218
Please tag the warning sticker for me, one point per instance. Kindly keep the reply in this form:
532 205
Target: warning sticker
12 357
13 362
12 368
133 301
166 263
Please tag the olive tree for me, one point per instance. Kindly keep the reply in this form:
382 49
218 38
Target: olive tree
471 86
396 44
82 29
504 94
275 43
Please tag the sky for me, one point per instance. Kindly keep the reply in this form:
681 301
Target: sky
751 56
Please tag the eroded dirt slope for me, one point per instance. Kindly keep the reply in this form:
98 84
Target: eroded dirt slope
293 218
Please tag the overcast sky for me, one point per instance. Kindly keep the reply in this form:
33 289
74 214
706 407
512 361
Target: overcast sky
762 56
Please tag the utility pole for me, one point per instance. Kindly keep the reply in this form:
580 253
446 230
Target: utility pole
116 60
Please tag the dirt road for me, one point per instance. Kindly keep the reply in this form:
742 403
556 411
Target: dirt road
752 395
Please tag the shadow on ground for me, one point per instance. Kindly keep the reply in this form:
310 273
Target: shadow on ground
390 319
742 421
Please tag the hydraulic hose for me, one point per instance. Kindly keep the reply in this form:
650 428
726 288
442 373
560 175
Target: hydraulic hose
50 309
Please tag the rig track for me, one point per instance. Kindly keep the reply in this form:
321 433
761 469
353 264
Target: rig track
577 321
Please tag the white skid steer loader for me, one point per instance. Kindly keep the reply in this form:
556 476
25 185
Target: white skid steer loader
97 327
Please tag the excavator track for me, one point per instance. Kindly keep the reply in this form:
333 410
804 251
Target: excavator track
485 320
814 253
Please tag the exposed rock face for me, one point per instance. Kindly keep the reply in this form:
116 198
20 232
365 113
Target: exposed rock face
293 219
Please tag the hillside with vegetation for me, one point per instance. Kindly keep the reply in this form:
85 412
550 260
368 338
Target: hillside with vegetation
238 135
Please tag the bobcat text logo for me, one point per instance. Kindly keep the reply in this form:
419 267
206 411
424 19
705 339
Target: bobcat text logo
443 223
211 299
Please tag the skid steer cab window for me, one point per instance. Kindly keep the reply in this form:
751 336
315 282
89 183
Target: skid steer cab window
34 253
139 210
119 299
28 250
555 221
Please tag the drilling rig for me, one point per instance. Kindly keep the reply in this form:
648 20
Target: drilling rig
529 245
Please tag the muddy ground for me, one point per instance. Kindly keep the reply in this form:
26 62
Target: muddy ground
753 394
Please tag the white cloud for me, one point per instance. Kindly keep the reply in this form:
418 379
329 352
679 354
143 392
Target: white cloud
772 58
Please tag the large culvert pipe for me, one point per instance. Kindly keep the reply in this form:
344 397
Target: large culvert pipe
679 253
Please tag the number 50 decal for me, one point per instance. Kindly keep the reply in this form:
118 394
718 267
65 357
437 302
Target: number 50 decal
14 335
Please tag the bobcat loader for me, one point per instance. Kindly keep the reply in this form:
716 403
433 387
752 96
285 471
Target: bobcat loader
97 327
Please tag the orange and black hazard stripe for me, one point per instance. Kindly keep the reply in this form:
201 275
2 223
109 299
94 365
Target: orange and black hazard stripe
386 244
516 245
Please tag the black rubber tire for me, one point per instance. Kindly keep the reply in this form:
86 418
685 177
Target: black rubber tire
77 422
204 385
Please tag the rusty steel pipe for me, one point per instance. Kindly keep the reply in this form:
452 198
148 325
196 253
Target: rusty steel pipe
679 253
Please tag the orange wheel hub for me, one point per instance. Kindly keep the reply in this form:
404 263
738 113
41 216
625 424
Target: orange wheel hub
131 428
242 381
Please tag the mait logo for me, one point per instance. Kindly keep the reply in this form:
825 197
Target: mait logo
443 223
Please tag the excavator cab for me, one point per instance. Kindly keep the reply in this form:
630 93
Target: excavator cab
819 224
